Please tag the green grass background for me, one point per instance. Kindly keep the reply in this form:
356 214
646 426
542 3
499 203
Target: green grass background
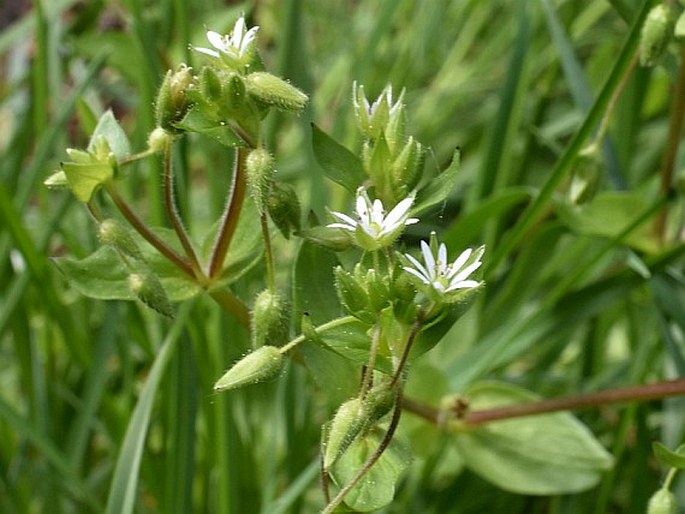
106 408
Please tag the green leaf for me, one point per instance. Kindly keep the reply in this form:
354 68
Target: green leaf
196 121
538 455
103 276
84 179
338 163
608 215
109 128
675 459
437 190
377 488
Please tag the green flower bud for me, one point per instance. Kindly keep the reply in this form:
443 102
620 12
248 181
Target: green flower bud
377 290
210 85
172 100
352 294
406 169
113 233
270 319
348 422
262 364
284 208
378 402
656 34
148 289
260 171
272 91
662 502
158 139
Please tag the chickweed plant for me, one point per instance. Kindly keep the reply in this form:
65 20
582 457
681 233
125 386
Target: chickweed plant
342 347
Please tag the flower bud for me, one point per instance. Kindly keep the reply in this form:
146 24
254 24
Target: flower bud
270 319
352 295
406 169
272 91
148 289
377 290
262 364
112 232
284 208
158 139
378 402
348 422
172 100
662 502
656 34
210 85
260 170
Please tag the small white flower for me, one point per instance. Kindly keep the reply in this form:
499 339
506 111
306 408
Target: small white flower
373 229
232 48
441 276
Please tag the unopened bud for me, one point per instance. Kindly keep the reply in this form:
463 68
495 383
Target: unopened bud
378 402
262 364
273 91
348 422
655 35
210 85
112 232
158 139
148 289
406 169
172 100
260 170
352 294
270 319
377 290
662 502
284 208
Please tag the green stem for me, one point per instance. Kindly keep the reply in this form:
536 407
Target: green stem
136 157
656 391
668 162
268 253
163 248
367 379
229 219
337 322
407 347
231 304
174 217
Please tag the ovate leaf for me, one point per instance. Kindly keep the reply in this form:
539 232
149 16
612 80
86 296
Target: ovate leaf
377 488
538 455
338 163
196 121
675 459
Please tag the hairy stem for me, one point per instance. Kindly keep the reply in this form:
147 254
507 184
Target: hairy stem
668 161
268 253
641 393
229 219
232 305
172 212
163 248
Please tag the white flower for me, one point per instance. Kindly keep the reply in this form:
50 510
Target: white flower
373 229
441 276
234 48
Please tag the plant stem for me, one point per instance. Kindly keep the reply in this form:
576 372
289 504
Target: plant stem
229 219
641 393
321 328
407 347
231 304
174 217
268 253
163 248
367 379
373 458
675 125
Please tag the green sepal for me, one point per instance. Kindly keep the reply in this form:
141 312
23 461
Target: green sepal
262 364
147 287
270 319
346 425
284 208
273 91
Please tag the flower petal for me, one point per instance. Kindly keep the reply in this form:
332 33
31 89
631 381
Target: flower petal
344 218
206 51
428 259
216 39
418 266
351 228
466 272
416 274
401 210
464 284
